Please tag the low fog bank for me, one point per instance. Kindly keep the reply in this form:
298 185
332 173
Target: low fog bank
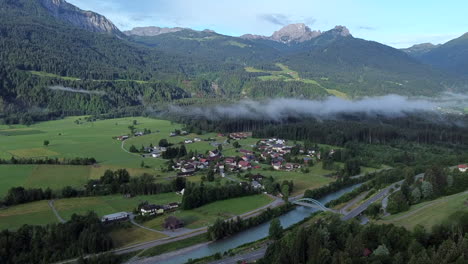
279 109
73 90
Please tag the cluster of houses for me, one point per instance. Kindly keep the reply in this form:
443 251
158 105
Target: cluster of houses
156 152
154 209
238 136
200 162
246 160
275 149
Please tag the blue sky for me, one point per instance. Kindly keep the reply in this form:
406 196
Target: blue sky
398 23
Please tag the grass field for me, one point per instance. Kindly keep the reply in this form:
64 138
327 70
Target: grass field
430 213
70 140
161 249
54 176
207 214
302 181
104 205
133 235
36 213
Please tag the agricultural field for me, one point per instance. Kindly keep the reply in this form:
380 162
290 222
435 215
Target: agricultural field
131 235
86 139
104 205
429 213
54 176
36 213
302 181
207 214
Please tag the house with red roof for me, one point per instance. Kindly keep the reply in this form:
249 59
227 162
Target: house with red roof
244 165
463 167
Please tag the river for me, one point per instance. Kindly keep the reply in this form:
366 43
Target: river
253 234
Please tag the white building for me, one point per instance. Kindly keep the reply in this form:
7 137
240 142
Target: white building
115 217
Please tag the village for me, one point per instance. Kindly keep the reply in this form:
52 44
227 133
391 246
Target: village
253 160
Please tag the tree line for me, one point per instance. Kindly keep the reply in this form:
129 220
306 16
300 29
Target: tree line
437 182
50 161
81 235
221 229
330 240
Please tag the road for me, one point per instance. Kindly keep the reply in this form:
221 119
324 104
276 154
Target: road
132 220
51 205
361 208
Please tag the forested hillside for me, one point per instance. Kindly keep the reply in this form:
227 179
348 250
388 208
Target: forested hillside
451 56
53 67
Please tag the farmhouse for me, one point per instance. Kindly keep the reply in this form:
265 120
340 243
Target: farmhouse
139 134
230 161
188 141
122 138
256 185
463 167
214 153
244 165
151 209
246 152
122 216
276 165
173 222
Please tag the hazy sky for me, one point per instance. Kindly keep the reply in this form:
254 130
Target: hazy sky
398 23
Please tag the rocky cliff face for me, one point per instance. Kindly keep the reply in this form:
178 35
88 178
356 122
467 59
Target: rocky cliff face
151 31
298 33
294 33
87 20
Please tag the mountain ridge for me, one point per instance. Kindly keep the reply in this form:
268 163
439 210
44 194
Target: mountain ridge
86 20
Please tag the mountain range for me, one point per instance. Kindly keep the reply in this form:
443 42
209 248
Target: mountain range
46 43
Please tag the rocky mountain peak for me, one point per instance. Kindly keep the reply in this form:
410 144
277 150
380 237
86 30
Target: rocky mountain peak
298 33
295 33
87 20
341 31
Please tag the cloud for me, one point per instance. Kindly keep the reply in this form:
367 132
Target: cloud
73 90
276 19
309 20
367 28
332 107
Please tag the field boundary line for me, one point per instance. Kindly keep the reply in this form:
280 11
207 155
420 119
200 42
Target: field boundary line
51 205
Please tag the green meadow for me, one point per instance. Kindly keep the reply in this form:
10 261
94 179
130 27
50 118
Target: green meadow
104 205
429 213
35 213
87 139
207 214
55 176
